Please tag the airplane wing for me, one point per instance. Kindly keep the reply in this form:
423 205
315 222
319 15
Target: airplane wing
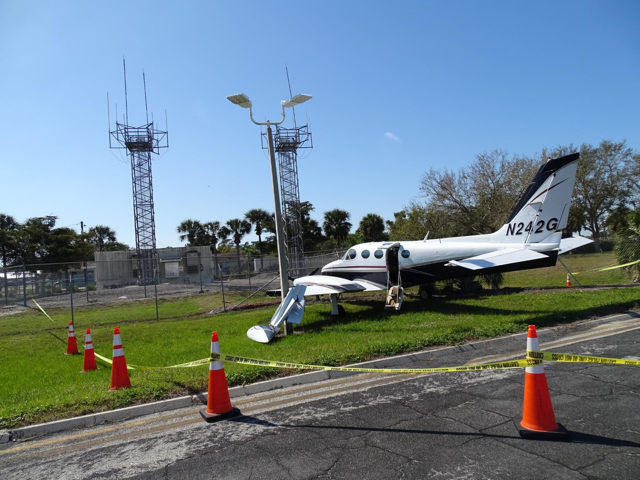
327 284
567 244
292 307
498 258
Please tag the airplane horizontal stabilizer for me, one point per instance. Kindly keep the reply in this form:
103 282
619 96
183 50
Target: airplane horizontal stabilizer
499 258
327 285
567 244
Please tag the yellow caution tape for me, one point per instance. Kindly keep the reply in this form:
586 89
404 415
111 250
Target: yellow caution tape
41 309
195 363
534 357
567 357
300 366
607 268
619 266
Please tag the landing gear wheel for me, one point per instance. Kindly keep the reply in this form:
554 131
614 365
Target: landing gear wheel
341 311
424 292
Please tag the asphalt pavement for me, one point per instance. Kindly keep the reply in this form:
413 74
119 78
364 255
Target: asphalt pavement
449 426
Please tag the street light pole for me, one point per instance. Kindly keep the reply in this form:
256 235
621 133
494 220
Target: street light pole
243 101
282 257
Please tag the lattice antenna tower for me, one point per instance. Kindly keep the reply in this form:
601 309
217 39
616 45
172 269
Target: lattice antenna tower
287 142
140 142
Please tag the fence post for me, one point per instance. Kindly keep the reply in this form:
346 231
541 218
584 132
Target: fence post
6 293
144 275
71 290
86 284
156 274
224 304
200 268
24 285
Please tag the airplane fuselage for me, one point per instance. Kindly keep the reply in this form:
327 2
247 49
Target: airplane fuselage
421 262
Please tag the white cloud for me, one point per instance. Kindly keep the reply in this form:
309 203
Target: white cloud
393 137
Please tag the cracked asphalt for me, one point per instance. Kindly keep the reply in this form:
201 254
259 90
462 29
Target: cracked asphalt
449 426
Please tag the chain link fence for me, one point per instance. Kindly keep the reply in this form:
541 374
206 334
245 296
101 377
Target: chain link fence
114 276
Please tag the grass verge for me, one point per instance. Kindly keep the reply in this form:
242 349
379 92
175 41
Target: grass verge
585 267
39 383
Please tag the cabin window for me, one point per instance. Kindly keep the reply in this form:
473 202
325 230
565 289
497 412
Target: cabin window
351 254
365 254
405 253
378 254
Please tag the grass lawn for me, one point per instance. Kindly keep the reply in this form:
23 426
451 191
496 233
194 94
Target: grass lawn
39 383
583 266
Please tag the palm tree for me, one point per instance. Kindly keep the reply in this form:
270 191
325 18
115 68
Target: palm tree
8 229
192 231
336 224
100 234
257 217
238 228
215 233
371 228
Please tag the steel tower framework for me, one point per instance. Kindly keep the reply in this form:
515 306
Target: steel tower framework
140 143
287 141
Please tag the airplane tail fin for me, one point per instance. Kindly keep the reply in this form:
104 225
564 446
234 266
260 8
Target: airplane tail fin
543 209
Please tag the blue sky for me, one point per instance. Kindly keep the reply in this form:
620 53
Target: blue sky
398 87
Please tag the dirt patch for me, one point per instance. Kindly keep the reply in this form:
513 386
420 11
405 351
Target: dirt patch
12 310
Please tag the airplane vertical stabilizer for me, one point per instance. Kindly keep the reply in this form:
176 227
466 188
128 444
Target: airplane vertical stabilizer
544 207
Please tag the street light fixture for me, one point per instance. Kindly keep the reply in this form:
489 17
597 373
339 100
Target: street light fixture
243 101
240 99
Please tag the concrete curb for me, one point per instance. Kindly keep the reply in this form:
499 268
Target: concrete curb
517 340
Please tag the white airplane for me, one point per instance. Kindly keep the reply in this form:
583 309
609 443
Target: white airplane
531 238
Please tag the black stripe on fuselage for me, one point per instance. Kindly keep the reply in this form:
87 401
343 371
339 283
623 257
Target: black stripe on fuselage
432 272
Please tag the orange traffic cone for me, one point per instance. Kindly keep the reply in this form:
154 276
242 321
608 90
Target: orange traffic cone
72 345
218 402
89 355
568 280
119 374
538 419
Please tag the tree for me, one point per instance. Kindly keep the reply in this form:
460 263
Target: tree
627 249
215 233
8 229
238 228
33 238
371 228
311 231
416 220
257 217
43 247
100 234
601 183
336 224
618 220
65 245
115 247
478 198
193 231
633 168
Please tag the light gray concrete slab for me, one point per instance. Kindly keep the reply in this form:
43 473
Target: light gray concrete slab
101 417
